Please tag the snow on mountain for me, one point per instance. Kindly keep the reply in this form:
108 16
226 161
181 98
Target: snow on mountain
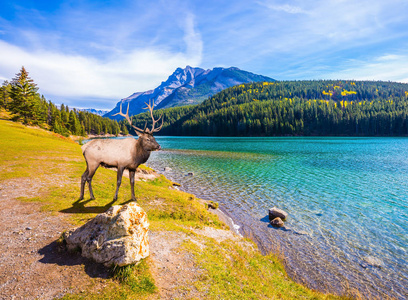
186 87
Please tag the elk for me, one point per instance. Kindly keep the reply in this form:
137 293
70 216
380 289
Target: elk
123 154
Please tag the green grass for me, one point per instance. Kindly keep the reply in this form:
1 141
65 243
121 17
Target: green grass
231 269
137 278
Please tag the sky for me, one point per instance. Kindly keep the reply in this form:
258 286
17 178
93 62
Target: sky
91 54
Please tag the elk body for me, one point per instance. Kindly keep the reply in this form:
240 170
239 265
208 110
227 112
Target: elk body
123 154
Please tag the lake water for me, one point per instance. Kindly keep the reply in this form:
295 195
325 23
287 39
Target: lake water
347 200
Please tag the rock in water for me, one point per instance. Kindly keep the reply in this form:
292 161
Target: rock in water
117 237
277 213
277 222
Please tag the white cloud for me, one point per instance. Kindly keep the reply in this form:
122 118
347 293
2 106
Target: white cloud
390 67
290 9
192 38
66 75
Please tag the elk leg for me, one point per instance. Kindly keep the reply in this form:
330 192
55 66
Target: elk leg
119 181
91 173
91 195
83 180
132 183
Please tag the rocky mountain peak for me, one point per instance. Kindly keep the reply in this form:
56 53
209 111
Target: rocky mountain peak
187 86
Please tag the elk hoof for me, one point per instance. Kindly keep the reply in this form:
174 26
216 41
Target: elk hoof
80 198
92 198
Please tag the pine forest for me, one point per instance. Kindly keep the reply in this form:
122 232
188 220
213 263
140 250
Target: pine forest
294 108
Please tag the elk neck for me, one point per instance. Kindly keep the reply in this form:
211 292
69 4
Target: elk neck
142 155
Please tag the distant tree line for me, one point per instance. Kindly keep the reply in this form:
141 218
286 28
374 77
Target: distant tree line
21 99
320 107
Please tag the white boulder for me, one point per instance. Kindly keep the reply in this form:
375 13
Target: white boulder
118 236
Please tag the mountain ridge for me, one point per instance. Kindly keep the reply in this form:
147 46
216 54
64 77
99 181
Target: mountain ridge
187 86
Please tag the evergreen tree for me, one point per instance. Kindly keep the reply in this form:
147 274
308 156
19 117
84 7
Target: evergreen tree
124 129
74 125
5 94
24 97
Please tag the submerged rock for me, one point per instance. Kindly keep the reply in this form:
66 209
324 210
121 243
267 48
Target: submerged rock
373 261
277 222
117 237
277 213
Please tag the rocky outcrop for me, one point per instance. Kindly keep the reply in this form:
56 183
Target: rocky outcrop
117 237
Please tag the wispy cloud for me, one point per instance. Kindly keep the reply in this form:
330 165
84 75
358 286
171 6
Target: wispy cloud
287 8
393 67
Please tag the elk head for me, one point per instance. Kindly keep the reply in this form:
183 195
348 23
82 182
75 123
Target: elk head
147 140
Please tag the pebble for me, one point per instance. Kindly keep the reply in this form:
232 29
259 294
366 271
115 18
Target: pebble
28 228
363 265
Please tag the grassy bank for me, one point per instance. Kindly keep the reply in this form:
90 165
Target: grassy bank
231 267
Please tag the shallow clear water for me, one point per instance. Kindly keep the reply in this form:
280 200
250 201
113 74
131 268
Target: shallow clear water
347 200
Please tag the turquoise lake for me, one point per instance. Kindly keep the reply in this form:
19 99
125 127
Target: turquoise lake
347 200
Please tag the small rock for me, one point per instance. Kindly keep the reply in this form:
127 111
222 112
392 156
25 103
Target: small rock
28 228
277 222
364 265
167 169
212 204
373 261
190 174
301 232
277 213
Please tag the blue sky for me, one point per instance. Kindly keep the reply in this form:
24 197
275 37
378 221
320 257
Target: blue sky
93 53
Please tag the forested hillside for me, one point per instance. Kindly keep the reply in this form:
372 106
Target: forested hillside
354 108
21 99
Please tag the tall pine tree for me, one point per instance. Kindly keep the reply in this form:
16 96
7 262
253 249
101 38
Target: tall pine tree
24 97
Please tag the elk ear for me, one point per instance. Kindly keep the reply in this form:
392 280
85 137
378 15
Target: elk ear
139 134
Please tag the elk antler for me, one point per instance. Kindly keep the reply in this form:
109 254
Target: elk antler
128 119
150 108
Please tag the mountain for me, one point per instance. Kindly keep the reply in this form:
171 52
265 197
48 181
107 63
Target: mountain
99 112
186 87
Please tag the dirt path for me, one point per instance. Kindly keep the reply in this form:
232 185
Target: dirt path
32 267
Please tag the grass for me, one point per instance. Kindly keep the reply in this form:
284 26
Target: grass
136 277
231 269
129 282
